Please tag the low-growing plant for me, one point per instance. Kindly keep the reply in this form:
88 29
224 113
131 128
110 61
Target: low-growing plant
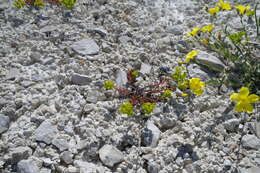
68 3
145 98
40 3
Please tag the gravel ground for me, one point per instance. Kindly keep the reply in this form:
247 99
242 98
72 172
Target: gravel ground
55 116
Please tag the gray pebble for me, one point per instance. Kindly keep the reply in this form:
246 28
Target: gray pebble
27 166
78 79
46 132
251 142
4 123
110 155
86 47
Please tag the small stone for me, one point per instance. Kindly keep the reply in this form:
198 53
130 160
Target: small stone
72 169
176 29
196 71
45 170
121 78
27 166
210 61
4 123
46 132
124 39
145 68
13 74
35 57
67 157
150 135
232 125
61 144
93 96
20 153
251 142
254 126
110 155
78 79
47 60
251 170
86 47
153 167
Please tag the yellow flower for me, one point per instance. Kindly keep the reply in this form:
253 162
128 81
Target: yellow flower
207 28
224 5
244 100
191 56
196 86
242 9
213 11
193 33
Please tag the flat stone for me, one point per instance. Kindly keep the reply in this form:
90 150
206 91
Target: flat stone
110 155
145 68
46 132
121 78
78 79
124 39
210 61
251 142
195 71
13 74
45 170
150 135
250 170
67 157
86 47
94 96
61 144
27 166
4 123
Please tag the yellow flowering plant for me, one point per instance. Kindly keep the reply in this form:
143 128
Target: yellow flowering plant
244 100
233 47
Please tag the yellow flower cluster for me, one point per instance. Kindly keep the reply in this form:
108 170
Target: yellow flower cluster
220 6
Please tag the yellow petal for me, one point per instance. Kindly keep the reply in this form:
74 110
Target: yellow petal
248 108
239 107
202 84
244 92
253 98
234 97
